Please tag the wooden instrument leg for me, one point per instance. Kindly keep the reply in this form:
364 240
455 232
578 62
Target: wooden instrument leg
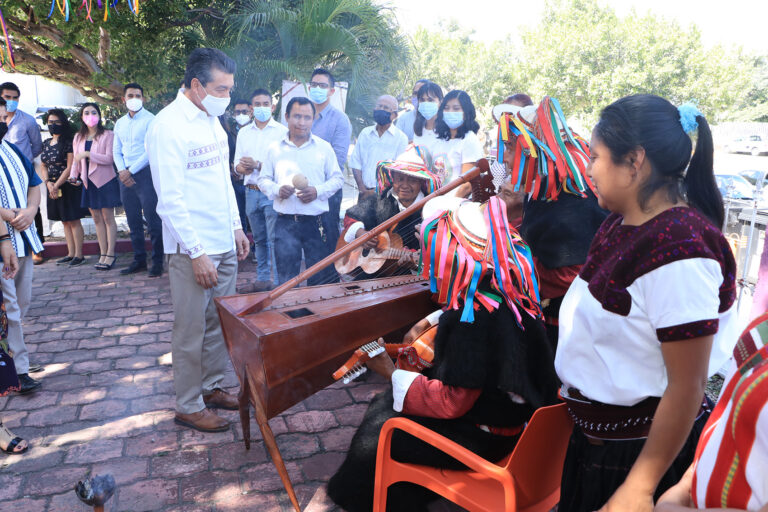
269 440
245 413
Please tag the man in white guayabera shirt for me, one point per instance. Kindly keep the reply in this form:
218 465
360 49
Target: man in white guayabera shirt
202 233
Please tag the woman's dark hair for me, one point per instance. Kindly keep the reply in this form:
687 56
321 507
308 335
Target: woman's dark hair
469 124
426 91
84 127
66 135
653 123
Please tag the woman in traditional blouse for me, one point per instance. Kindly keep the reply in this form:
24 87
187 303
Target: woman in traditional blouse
649 316
63 197
95 168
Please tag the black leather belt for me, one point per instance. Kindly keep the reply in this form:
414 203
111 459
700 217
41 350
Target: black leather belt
298 218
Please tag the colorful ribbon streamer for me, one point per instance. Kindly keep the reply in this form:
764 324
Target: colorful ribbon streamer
8 47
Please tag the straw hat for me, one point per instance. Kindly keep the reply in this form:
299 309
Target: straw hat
416 162
473 258
549 157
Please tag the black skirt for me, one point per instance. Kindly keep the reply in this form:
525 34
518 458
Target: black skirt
97 198
67 207
592 473
353 484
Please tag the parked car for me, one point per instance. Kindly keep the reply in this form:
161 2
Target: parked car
754 144
734 187
753 176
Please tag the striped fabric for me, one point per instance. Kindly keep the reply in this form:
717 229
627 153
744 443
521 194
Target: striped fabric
731 461
14 183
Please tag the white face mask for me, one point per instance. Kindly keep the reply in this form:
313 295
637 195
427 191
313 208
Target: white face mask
134 104
213 105
243 119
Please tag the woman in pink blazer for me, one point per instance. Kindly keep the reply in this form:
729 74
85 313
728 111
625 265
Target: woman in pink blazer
93 166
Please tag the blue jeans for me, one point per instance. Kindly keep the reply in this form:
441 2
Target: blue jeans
142 197
262 218
240 196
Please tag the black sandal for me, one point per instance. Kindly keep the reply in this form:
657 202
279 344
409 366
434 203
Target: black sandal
13 444
99 264
107 266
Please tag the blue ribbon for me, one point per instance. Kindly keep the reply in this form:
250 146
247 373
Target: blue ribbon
468 314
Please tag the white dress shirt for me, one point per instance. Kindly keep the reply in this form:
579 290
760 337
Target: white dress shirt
254 142
371 149
315 159
128 148
189 157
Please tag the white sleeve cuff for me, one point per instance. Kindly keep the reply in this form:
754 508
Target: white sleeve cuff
401 383
434 317
350 235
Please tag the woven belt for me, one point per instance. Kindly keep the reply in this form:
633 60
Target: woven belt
614 422
252 187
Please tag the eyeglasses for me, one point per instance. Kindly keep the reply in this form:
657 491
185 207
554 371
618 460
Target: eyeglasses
238 112
320 85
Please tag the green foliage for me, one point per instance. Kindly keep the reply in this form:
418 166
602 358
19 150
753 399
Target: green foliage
357 40
587 56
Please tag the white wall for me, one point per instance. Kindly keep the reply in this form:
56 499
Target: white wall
38 91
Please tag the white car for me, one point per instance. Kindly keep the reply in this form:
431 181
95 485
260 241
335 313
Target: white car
753 144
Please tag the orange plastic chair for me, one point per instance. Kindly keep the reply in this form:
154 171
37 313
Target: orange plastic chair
528 480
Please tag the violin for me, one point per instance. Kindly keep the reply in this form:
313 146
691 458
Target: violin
389 247
414 356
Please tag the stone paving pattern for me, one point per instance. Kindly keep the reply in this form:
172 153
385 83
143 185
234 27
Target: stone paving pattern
107 406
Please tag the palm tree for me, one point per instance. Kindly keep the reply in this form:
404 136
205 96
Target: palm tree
357 40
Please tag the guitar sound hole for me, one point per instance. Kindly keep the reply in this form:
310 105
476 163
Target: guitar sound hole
299 313
352 287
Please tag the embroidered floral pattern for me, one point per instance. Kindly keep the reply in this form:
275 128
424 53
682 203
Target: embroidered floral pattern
688 331
621 254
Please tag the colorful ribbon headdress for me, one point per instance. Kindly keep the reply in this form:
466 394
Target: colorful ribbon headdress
415 162
549 157
464 243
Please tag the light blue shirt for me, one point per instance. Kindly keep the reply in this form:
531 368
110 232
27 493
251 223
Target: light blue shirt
405 123
333 126
128 147
24 133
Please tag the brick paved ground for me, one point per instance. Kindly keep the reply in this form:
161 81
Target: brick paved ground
106 406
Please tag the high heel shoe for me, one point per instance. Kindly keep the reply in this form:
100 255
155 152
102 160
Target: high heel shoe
107 266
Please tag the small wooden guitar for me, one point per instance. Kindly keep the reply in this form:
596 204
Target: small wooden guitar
414 356
388 248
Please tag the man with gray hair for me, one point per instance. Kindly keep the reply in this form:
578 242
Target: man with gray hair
202 233
382 141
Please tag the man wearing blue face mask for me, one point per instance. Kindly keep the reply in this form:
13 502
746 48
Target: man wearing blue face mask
23 133
333 126
382 141
253 141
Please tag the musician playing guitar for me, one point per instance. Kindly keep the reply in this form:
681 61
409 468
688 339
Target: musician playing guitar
400 183
492 366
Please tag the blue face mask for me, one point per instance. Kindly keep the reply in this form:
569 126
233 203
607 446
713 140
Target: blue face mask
453 119
428 109
11 105
262 114
318 95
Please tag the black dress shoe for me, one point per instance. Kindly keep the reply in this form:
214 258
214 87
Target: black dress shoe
135 266
156 270
28 384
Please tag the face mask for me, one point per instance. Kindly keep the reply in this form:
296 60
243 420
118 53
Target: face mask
3 130
11 105
56 129
453 119
243 119
91 120
428 109
213 105
382 117
318 95
134 104
262 114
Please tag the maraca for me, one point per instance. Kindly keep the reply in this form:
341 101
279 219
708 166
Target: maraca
300 181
